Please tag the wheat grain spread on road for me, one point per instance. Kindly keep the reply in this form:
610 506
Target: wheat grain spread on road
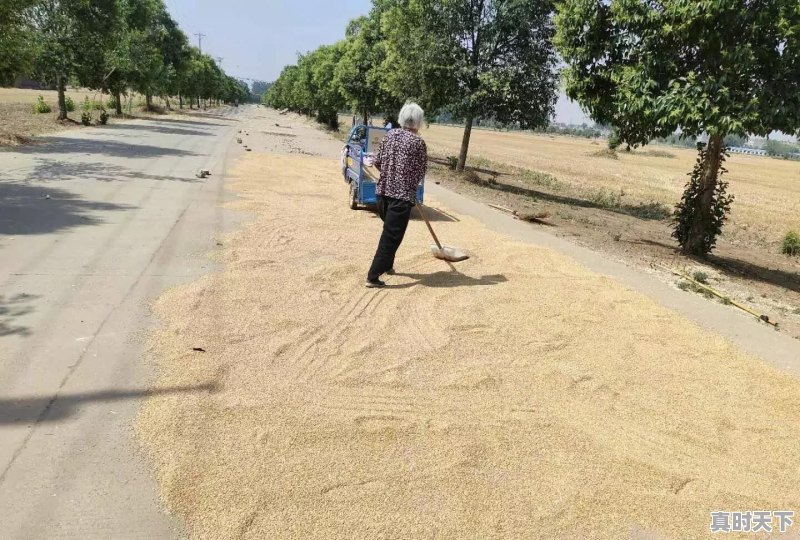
519 397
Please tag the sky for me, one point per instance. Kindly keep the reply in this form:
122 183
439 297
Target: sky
257 38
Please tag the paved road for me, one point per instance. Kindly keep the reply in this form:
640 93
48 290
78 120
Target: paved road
93 225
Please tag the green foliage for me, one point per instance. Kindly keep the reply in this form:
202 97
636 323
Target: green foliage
780 149
41 107
86 118
313 86
735 140
17 44
690 218
103 118
492 59
614 141
452 161
70 103
651 68
791 244
583 131
678 140
71 39
700 276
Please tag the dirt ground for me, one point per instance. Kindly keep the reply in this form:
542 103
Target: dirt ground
516 395
19 125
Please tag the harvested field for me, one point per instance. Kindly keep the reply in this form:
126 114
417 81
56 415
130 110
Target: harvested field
518 396
767 190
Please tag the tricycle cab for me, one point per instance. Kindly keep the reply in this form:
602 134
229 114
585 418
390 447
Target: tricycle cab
358 154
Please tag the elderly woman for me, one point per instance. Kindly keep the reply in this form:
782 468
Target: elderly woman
402 160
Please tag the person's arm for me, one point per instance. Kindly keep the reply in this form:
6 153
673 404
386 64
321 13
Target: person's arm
379 155
424 160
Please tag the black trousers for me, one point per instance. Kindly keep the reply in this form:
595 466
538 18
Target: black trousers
395 214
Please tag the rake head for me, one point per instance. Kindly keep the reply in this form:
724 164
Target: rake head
448 253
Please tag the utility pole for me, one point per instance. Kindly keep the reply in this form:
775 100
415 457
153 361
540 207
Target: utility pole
200 37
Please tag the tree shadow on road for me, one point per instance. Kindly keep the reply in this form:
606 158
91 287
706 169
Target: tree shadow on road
184 122
166 130
58 170
12 307
37 409
72 146
27 209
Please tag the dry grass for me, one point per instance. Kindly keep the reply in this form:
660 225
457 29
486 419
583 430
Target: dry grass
767 190
18 124
521 394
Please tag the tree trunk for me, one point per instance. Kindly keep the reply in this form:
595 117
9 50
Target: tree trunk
180 101
62 98
166 101
191 102
148 100
702 223
462 156
118 103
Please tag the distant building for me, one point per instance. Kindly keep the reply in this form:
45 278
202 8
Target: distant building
748 151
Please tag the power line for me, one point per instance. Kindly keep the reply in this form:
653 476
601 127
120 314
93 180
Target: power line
200 37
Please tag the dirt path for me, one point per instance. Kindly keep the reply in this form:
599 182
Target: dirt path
522 396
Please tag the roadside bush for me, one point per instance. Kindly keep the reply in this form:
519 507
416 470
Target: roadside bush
40 107
452 162
606 199
542 179
91 105
610 153
70 104
655 153
111 103
791 244
614 140
86 118
103 118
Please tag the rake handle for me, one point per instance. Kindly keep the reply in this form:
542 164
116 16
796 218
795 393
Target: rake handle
428 223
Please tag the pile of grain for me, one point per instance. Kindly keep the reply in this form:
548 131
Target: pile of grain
523 397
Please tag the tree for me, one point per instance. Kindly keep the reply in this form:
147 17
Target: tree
327 98
490 58
311 87
779 148
71 37
17 49
718 67
258 89
358 72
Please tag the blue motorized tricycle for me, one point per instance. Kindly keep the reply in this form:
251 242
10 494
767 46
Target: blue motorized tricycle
359 172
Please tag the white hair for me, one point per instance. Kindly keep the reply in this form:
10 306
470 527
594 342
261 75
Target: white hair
411 116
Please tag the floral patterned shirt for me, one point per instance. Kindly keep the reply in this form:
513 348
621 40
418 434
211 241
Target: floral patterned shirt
403 162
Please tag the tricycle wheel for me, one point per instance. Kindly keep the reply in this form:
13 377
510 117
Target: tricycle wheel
353 196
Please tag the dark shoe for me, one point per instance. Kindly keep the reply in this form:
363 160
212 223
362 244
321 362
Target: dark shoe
376 284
